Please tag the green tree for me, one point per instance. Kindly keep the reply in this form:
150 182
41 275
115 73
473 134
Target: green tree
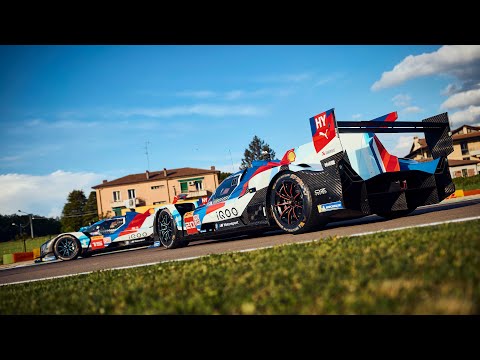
90 210
72 214
257 150
223 175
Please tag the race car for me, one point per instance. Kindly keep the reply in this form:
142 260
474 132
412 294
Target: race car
133 228
344 172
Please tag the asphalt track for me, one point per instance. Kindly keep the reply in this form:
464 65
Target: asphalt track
443 212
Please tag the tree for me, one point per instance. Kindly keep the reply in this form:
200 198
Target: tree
41 226
223 175
90 209
72 214
255 152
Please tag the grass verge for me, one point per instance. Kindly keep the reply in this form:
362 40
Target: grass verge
429 270
14 246
467 183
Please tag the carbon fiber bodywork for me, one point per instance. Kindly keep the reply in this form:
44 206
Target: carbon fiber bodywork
393 191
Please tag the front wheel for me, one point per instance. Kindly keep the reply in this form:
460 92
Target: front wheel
291 204
167 231
67 247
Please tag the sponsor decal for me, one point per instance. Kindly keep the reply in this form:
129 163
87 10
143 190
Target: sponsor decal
329 163
323 129
331 151
330 206
190 223
138 235
107 240
321 191
196 220
97 242
227 213
233 223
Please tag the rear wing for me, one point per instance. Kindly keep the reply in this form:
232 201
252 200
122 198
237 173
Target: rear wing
436 129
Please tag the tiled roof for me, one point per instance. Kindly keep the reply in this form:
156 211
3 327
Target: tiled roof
462 162
465 136
467 126
155 176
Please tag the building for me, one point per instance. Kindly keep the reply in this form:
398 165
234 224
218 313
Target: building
464 160
153 188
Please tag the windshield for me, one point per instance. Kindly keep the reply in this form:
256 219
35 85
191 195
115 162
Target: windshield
225 189
106 227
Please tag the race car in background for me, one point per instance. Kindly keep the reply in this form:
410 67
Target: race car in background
133 228
344 172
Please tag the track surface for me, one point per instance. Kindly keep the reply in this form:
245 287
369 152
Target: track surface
446 211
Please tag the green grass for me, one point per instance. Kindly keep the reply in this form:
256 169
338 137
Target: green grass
10 247
429 270
467 183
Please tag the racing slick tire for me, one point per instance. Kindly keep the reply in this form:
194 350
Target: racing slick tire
396 214
168 234
291 204
67 247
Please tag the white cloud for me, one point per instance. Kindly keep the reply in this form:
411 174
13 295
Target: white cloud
236 94
402 148
412 110
328 79
198 94
10 158
449 58
401 100
44 195
286 78
450 89
201 109
461 99
468 116
356 116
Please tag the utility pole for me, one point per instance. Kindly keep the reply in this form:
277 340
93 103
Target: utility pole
146 153
30 217
231 159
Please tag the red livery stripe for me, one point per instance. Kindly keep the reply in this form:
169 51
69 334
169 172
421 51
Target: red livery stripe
214 207
389 161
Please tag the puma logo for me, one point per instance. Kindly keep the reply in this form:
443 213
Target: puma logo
324 134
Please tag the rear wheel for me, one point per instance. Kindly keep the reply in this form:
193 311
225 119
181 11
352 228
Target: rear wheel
67 247
291 204
167 231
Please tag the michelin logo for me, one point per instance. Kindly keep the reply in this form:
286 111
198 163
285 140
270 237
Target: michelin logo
330 206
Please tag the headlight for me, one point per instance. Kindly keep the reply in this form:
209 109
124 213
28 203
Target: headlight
44 247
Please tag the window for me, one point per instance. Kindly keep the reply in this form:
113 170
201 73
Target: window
116 196
198 185
131 193
458 174
464 172
157 187
159 202
471 172
193 183
464 146
184 187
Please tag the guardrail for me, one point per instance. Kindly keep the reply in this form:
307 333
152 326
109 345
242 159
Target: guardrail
21 256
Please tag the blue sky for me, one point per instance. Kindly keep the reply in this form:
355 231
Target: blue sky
71 116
